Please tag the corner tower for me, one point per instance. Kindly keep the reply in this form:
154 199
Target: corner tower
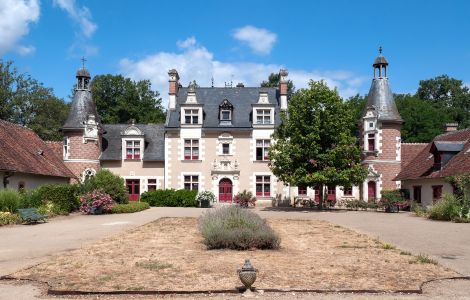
82 130
380 134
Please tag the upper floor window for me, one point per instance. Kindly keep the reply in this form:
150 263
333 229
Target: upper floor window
191 149
66 147
191 182
262 149
371 142
191 116
263 116
132 149
226 149
263 186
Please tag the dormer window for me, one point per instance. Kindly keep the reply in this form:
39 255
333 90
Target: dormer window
133 143
132 149
191 116
263 116
225 112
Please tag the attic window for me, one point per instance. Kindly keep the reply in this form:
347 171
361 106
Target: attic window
225 112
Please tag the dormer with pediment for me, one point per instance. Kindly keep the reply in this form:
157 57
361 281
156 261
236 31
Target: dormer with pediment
225 113
263 110
191 112
133 143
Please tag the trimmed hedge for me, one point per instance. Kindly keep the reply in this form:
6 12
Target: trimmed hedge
59 199
131 207
170 198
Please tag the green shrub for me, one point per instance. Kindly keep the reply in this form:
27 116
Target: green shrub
131 207
59 199
7 218
171 198
233 227
10 200
245 199
356 204
31 198
446 209
109 183
419 210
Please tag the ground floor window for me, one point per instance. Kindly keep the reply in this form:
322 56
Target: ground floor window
263 186
191 182
331 192
302 190
436 192
348 191
417 193
151 184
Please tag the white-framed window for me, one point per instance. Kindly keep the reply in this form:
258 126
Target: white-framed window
133 149
151 184
191 149
226 149
263 186
66 149
191 116
263 116
191 182
225 115
262 149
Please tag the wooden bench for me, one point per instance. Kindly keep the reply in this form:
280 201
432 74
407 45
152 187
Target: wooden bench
31 215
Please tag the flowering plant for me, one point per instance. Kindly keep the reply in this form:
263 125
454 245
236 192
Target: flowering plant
96 202
245 199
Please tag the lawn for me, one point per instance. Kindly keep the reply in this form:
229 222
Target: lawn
168 255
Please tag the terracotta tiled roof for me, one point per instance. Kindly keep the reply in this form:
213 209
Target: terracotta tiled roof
56 147
22 150
409 151
422 165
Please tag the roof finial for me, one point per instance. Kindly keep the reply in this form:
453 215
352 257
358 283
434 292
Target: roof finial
83 62
380 49
212 81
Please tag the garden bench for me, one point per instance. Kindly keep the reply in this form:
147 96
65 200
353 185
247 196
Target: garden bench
31 215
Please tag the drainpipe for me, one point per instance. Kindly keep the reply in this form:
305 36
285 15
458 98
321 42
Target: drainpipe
7 175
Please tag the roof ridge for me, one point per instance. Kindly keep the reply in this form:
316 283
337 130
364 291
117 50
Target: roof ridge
451 132
414 143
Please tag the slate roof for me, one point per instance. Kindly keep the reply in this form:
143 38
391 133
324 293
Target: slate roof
82 106
381 97
422 165
154 137
22 150
242 99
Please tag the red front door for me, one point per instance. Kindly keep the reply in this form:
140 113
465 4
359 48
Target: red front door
331 193
133 188
371 190
225 190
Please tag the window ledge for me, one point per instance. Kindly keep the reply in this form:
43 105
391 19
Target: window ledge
261 161
191 160
133 159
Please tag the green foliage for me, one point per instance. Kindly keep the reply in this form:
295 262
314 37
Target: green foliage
314 144
8 218
424 259
170 198
109 183
419 210
205 198
131 207
273 81
423 121
447 209
31 198
356 204
25 101
59 199
461 183
119 99
245 199
236 228
356 106
10 200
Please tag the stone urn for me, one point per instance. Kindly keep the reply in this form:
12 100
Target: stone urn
247 274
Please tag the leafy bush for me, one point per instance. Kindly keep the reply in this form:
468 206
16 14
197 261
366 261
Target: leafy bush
96 202
7 218
31 198
447 209
131 207
245 199
205 198
10 200
419 210
356 204
391 200
111 184
236 228
170 198
61 199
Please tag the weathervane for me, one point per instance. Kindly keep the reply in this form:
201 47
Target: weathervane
380 50
83 62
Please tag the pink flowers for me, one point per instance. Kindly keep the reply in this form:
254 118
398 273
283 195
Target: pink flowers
96 202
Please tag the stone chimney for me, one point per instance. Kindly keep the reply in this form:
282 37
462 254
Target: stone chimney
173 88
283 88
449 127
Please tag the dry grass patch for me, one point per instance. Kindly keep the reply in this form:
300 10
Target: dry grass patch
168 254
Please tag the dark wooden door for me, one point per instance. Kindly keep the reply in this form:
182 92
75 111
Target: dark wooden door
225 190
371 190
133 188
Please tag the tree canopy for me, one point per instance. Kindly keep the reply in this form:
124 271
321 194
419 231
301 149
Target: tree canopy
119 99
273 81
314 144
25 101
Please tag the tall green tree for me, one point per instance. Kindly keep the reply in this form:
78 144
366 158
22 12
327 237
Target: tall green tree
422 120
314 143
25 101
119 99
273 81
355 105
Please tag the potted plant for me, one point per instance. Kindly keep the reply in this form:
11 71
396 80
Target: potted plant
205 198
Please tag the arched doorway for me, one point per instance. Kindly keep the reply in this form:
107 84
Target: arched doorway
371 191
225 190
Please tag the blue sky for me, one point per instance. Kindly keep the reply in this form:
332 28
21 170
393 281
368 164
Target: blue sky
242 41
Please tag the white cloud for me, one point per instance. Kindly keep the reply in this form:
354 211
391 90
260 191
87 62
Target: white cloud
81 15
198 63
15 18
260 40
187 43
